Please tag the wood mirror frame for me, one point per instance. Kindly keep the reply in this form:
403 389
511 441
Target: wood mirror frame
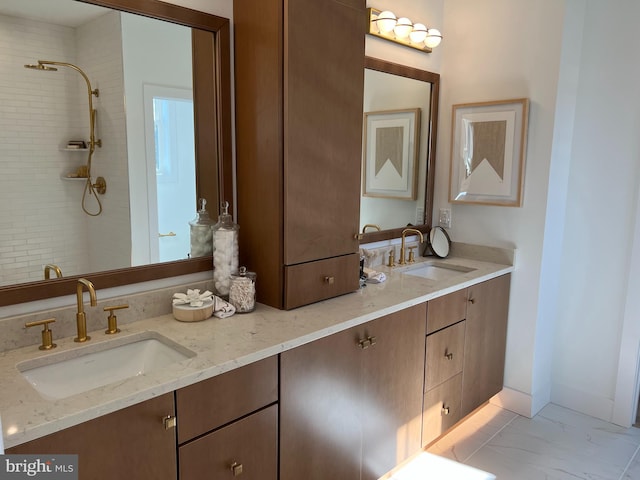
434 80
213 134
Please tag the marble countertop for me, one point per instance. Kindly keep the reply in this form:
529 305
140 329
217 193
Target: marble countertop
220 345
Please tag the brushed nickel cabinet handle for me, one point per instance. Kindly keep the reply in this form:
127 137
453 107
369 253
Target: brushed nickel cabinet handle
364 343
329 280
169 422
372 340
472 301
448 356
445 410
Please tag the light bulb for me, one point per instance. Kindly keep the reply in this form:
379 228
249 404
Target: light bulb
418 34
386 21
403 27
434 37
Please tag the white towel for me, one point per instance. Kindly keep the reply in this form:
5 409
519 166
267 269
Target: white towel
377 277
221 308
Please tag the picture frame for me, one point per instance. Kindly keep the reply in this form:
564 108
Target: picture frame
488 147
391 144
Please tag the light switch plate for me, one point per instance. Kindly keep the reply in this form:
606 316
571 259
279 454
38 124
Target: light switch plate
444 220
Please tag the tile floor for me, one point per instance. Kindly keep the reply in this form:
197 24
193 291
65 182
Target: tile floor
557 444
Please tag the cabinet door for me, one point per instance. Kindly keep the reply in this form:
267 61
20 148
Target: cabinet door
320 416
323 98
247 448
129 443
393 373
486 337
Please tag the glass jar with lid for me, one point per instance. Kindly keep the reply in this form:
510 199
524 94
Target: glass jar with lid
201 233
242 293
225 251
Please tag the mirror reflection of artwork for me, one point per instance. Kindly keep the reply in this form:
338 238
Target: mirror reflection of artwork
488 153
390 154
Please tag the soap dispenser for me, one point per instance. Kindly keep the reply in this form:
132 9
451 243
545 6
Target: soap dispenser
225 251
201 233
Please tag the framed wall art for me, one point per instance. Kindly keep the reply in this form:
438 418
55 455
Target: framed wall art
390 154
488 145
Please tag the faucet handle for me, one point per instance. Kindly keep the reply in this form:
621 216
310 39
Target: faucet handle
47 335
112 320
392 258
412 258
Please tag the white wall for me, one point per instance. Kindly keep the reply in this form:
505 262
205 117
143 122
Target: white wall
39 112
497 50
600 212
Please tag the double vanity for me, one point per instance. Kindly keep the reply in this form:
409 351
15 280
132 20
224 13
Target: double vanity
344 388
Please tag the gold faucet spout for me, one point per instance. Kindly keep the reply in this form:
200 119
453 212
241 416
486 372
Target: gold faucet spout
48 268
402 260
81 317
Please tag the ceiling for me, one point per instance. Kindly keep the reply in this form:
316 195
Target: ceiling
69 13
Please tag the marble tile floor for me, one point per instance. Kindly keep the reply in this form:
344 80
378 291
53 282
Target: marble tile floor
557 444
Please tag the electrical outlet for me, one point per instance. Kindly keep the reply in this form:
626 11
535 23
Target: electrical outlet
419 216
445 218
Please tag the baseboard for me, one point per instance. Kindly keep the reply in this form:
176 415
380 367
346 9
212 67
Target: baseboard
583 402
519 402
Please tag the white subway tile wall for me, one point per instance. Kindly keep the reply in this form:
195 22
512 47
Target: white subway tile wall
40 214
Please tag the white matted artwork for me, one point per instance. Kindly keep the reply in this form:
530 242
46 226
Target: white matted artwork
390 154
488 145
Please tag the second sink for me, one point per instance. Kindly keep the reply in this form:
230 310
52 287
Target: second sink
437 270
64 374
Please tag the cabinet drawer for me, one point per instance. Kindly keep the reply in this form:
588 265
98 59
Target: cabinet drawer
314 281
441 409
251 444
445 355
209 404
447 310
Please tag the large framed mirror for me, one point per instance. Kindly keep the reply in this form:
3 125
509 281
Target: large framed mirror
132 51
398 98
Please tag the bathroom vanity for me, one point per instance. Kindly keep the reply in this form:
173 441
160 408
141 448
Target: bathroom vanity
336 387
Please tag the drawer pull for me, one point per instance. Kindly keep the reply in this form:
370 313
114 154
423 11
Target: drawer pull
236 469
372 340
169 422
472 301
365 343
329 280
445 410
449 356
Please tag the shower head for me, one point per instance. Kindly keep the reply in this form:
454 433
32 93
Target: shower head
40 66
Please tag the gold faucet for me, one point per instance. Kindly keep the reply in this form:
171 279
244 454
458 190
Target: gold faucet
81 317
402 260
55 268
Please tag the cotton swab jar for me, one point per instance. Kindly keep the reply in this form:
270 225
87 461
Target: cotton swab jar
242 293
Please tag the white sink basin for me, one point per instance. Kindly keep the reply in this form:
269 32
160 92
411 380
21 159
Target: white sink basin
437 270
79 370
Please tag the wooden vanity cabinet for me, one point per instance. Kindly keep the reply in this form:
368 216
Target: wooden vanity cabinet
486 341
351 403
129 443
299 78
466 341
228 424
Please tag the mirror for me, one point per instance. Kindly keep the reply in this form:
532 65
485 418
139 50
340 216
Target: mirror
392 89
438 242
28 197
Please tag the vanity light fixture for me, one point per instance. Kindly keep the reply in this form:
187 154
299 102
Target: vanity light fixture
385 24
